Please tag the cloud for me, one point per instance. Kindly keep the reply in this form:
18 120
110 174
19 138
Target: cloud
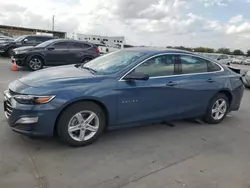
236 19
142 22
215 2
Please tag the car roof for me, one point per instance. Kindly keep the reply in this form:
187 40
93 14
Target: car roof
71 40
152 50
37 36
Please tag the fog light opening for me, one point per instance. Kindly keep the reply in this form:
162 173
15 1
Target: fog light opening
27 120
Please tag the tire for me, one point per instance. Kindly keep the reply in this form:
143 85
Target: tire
86 60
80 135
35 63
10 52
210 117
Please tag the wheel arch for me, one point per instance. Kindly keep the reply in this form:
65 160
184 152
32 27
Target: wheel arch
96 101
87 57
228 94
28 58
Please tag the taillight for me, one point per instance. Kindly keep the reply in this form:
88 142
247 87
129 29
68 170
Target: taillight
97 50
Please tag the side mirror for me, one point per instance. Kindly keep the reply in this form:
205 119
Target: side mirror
50 48
25 40
136 76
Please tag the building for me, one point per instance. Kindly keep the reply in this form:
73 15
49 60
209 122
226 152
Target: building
99 40
18 31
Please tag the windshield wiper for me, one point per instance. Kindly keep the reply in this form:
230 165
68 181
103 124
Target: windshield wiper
93 71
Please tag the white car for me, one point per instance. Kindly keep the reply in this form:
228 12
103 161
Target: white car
236 61
246 62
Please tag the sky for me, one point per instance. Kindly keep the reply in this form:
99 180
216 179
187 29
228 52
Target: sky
190 23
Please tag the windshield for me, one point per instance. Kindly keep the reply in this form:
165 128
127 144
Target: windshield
113 62
19 39
45 44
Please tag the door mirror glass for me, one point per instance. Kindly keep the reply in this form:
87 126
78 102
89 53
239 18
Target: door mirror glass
25 41
136 76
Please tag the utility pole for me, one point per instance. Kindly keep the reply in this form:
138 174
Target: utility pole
53 22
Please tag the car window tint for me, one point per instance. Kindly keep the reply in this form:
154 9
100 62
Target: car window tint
61 45
42 39
191 64
31 40
78 45
158 66
212 67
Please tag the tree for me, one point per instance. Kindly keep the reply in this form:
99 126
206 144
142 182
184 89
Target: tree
204 50
248 52
238 52
224 51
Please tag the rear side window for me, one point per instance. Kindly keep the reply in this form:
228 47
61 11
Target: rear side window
61 45
191 64
78 45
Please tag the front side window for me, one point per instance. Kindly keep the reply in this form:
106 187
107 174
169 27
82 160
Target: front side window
191 64
31 40
158 66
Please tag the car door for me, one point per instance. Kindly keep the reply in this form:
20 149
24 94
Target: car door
76 52
198 81
58 53
154 99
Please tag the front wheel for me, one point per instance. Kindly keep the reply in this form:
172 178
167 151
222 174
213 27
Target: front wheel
81 124
217 109
35 63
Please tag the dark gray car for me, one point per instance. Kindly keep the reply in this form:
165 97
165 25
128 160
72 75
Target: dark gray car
7 47
55 52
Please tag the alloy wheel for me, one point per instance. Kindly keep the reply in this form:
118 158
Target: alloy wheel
219 109
83 126
35 64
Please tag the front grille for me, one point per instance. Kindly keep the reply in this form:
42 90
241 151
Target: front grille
8 108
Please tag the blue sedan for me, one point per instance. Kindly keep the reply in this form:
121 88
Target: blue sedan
136 86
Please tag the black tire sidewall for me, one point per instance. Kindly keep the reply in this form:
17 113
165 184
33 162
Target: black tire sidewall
62 125
33 57
208 117
10 51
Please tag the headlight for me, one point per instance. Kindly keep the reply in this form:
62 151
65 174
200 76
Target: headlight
31 99
20 52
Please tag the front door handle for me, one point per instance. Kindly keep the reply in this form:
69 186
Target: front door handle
210 80
171 83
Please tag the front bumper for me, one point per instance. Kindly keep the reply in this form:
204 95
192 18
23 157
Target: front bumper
43 117
19 59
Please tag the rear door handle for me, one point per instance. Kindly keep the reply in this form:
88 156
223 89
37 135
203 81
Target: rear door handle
171 83
210 80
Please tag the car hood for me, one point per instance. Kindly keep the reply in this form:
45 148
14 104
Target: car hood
57 76
24 48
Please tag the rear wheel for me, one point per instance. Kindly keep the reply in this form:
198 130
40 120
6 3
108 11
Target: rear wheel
81 124
217 109
35 63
